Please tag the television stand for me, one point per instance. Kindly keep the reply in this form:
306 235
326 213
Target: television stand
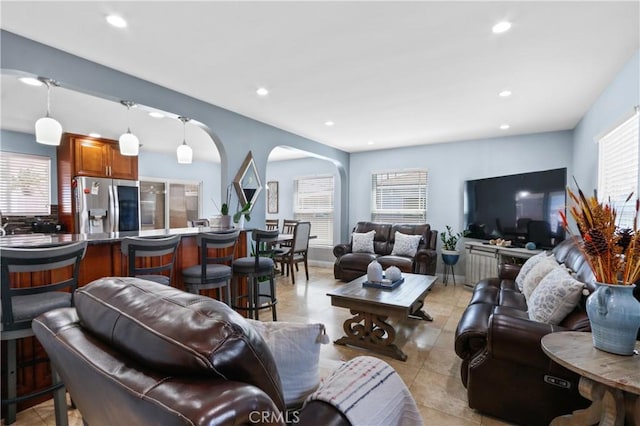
483 260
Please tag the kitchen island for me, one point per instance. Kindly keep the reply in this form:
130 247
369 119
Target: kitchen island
102 259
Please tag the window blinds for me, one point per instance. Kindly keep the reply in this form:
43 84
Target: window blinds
25 188
399 197
314 203
618 168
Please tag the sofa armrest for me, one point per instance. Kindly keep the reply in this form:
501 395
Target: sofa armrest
471 334
341 249
424 262
517 340
508 271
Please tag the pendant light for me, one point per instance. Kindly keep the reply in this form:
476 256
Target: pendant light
48 130
184 151
129 143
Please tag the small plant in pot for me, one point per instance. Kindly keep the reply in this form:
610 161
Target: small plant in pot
241 215
450 253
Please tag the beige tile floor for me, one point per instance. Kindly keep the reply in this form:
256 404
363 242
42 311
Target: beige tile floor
431 372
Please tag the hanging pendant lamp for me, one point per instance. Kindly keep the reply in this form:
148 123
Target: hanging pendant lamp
129 143
184 151
48 130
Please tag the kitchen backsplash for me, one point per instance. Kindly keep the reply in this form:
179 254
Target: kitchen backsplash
24 224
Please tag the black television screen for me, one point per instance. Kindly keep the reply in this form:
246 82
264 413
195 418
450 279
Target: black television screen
521 208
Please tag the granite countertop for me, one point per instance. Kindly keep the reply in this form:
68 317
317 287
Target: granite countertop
40 240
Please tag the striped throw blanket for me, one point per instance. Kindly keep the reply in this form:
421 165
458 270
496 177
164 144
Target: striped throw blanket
369 392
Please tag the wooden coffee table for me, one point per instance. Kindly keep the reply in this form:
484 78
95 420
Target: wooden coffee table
371 307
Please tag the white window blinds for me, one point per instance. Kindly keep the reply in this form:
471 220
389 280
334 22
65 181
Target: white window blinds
618 168
25 188
314 203
399 197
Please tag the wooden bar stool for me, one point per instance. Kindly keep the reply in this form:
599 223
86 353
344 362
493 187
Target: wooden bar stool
147 257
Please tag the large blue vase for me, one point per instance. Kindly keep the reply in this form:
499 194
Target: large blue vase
614 315
450 257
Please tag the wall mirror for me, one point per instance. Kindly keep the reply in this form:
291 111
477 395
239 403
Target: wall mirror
247 182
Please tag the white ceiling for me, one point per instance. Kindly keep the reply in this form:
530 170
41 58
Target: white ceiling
391 73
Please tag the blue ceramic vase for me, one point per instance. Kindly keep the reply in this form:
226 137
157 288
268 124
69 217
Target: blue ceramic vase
614 315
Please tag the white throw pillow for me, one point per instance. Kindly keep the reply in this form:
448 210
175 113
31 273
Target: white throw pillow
296 350
528 265
363 243
535 275
405 245
555 297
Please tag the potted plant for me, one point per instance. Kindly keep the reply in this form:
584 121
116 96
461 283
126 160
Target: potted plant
241 215
613 254
450 254
225 219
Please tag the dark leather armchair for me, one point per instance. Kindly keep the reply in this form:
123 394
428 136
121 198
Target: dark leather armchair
137 352
349 265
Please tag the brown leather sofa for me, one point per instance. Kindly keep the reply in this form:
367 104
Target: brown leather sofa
504 369
349 265
134 352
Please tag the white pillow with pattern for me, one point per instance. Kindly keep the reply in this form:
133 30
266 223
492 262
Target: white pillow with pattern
535 275
405 245
528 265
555 297
363 242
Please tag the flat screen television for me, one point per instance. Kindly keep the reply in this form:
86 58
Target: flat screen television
521 208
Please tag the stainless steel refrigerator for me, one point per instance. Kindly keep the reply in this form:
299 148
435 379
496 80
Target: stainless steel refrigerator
106 205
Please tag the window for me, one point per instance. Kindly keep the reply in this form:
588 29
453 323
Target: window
25 187
314 203
399 196
618 167
180 201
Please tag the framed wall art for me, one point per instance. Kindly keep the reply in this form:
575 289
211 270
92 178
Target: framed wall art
272 197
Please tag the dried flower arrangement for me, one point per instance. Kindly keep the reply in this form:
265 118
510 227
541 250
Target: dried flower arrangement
613 252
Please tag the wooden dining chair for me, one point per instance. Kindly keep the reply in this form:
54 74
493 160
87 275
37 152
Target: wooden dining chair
298 251
272 224
288 226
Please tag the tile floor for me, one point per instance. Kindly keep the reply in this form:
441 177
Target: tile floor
431 372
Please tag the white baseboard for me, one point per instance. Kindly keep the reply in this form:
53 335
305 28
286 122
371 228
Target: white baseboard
321 263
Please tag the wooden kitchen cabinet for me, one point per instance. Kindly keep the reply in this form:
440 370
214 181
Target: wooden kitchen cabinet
100 158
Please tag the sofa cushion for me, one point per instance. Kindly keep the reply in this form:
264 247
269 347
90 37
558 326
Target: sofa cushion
177 332
362 242
405 245
405 264
535 275
296 350
528 265
555 297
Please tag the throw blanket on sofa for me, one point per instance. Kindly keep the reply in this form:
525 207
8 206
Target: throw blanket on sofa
369 392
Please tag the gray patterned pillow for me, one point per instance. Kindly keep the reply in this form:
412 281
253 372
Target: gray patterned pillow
535 275
405 245
528 265
555 297
363 242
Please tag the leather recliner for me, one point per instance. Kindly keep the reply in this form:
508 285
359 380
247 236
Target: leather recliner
136 352
349 266
504 369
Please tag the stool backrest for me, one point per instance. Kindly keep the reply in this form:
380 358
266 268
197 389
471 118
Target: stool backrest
37 260
150 247
225 241
264 243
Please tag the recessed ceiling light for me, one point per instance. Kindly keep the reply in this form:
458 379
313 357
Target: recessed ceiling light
262 91
505 93
156 114
329 123
116 21
370 142
31 81
504 126
501 27
95 135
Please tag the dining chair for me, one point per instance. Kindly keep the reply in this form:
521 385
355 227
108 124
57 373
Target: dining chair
151 258
53 272
256 268
298 251
214 270
288 225
271 224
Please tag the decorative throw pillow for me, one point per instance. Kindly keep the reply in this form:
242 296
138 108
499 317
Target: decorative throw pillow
363 243
528 265
555 297
296 350
535 275
405 245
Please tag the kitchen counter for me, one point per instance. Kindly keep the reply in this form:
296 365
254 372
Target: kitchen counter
43 240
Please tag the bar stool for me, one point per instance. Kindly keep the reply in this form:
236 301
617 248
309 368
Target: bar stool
255 267
21 305
213 271
143 253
